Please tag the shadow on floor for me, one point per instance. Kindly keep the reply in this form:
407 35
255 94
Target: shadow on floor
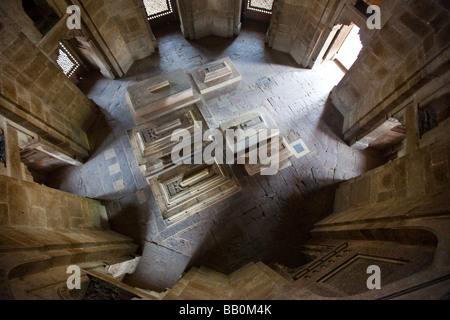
275 236
272 217
231 245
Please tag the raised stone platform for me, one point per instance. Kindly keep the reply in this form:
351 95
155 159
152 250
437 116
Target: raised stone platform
152 144
216 78
284 153
256 120
189 189
180 189
160 95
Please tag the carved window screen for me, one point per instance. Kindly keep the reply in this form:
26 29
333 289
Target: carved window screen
68 63
158 8
264 6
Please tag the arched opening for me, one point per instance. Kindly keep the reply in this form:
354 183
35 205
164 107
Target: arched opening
350 49
343 46
43 16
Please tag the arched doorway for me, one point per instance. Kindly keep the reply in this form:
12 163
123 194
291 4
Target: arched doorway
343 46
260 10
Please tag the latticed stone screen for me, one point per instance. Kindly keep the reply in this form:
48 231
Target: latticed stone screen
157 8
66 61
260 5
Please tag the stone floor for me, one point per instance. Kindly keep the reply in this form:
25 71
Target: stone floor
270 219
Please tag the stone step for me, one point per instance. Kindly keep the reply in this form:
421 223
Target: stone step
261 286
283 271
278 278
215 280
207 285
197 290
210 275
242 272
251 282
153 295
43 284
178 288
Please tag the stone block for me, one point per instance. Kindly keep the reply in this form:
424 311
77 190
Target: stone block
256 120
395 40
216 78
363 191
441 176
18 205
282 42
74 207
400 175
342 200
439 22
21 58
4 215
284 153
14 47
424 10
9 88
438 156
3 191
415 24
415 175
38 217
442 37
160 95
384 196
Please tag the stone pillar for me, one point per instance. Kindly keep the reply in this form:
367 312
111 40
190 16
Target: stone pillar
201 18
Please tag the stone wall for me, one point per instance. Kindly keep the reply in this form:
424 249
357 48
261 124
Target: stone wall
254 281
34 91
201 18
122 30
409 51
31 256
296 26
305 28
43 228
28 204
405 201
414 185
338 273
36 94
131 19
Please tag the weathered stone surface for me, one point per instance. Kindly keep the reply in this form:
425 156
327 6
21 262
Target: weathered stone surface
153 272
216 78
34 205
160 95
201 18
